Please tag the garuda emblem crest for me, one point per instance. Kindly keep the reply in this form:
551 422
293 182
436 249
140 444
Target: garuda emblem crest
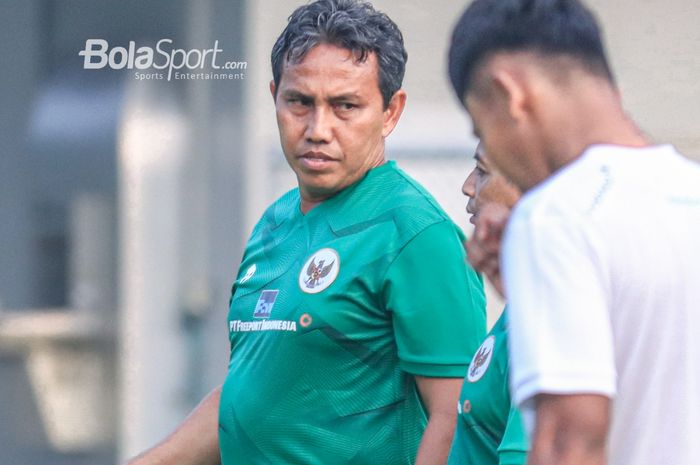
481 360
319 271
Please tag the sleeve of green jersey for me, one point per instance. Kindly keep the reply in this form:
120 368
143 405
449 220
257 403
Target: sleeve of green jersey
437 303
514 445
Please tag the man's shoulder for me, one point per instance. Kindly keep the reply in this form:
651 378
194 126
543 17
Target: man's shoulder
612 176
279 211
390 195
285 205
411 192
573 191
392 189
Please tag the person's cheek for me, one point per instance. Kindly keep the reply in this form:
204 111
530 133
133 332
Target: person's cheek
484 192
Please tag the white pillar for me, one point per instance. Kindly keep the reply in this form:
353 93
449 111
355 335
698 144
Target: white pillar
151 154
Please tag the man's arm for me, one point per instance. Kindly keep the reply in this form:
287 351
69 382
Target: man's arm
194 442
440 397
570 429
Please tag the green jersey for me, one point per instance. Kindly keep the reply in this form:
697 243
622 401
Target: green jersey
332 314
489 429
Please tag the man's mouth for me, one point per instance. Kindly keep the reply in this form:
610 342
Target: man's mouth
316 160
471 211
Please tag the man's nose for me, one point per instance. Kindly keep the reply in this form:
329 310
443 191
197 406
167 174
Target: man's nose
320 127
469 186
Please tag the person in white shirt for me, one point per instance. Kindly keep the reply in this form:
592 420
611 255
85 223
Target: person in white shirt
600 260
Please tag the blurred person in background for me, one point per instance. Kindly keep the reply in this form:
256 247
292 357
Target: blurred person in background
489 428
600 256
354 311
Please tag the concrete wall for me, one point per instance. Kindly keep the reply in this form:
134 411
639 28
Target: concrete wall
653 45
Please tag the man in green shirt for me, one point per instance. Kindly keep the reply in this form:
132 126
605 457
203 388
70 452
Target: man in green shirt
489 428
354 312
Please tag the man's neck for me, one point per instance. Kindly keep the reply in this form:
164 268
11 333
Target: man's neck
597 118
309 201
307 205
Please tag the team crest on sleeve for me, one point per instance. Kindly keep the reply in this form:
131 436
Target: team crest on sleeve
319 271
481 361
265 303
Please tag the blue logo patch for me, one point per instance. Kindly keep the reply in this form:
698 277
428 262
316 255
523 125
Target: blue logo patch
265 304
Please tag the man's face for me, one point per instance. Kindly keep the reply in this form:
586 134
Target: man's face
485 185
331 119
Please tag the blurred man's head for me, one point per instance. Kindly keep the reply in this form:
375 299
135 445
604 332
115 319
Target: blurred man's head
545 28
485 185
337 73
531 73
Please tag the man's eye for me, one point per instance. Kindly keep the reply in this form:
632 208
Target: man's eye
345 106
297 101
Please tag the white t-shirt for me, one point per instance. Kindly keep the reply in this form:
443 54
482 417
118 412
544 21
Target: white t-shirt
601 265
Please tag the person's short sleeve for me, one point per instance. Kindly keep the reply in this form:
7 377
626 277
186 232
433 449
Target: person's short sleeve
560 335
514 445
437 304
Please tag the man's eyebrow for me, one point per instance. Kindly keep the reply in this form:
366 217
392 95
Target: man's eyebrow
344 97
295 93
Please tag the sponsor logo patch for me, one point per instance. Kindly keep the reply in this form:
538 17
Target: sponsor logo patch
319 271
265 304
239 326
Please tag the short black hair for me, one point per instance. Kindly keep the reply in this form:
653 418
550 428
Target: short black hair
350 24
548 27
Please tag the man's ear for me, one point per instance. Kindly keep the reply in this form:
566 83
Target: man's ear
510 89
393 112
273 89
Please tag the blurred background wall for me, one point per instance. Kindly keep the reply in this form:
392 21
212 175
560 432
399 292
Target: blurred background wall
125 203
